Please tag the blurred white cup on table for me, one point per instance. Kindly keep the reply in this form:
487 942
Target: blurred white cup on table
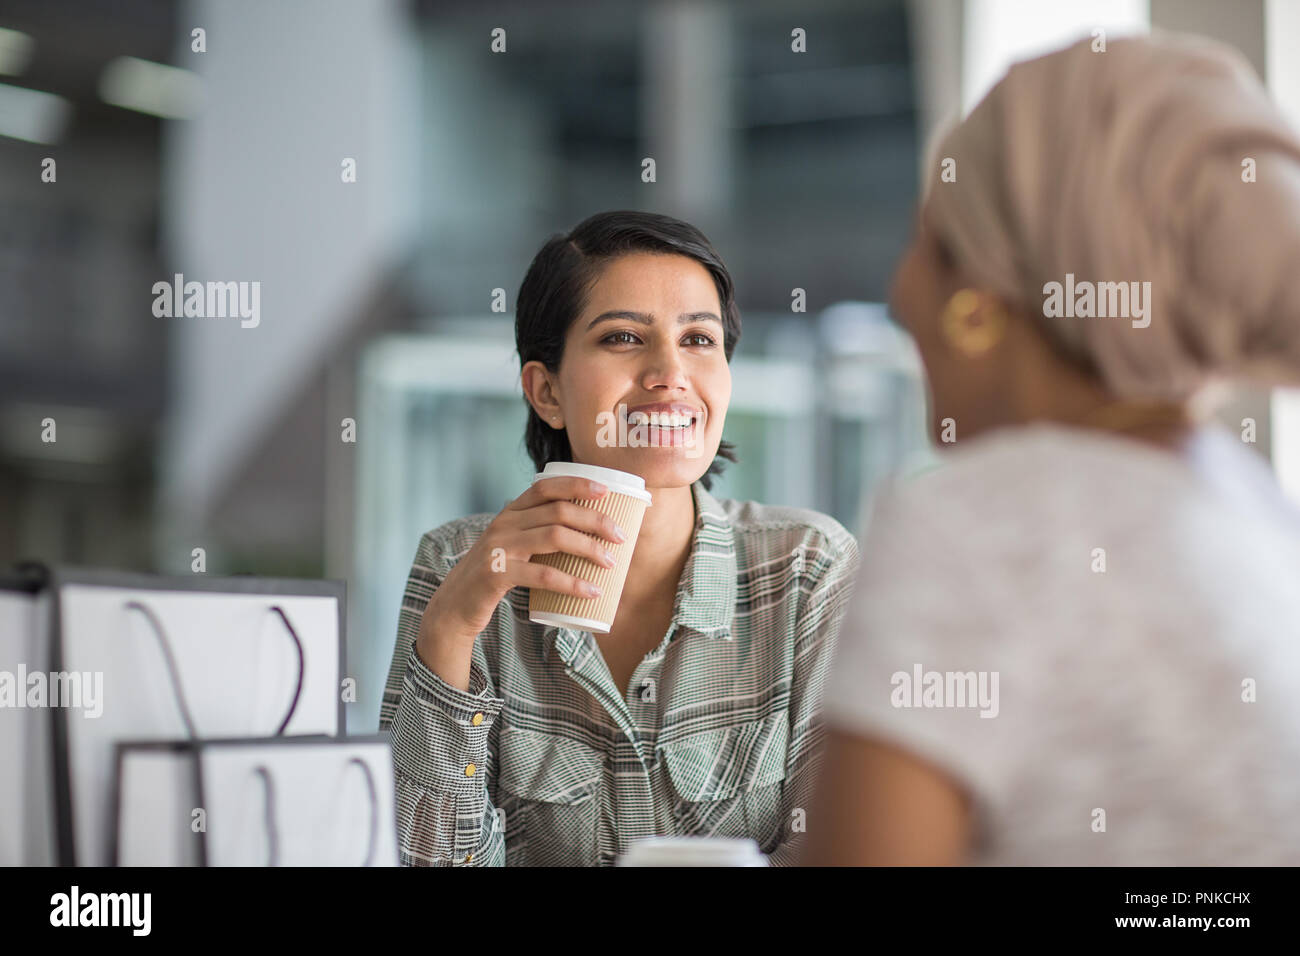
693 851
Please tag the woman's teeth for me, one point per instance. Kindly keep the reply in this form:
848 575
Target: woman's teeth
659 419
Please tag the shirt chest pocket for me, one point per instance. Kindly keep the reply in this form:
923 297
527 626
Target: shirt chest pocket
547 790
728 782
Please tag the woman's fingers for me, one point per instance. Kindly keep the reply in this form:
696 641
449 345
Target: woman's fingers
531 575
551 538
571 515
556 488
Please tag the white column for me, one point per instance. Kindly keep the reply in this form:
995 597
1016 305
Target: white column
1281 27
997 33
687 110
936 38
254 192
1239 24
960 48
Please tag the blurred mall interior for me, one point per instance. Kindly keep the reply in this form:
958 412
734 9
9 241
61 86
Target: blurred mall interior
224 164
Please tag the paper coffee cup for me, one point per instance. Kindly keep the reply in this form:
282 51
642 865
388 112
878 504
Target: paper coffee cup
625 502
693 851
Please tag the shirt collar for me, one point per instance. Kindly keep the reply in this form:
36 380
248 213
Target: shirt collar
706 593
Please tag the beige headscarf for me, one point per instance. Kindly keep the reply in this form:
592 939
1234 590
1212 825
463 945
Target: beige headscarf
1127 165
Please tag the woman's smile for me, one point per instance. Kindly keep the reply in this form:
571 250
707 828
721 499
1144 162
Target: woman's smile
660 424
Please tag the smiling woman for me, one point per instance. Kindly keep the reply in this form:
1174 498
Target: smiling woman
697 713
632 253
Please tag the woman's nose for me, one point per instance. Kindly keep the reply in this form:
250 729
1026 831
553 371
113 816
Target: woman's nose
664 368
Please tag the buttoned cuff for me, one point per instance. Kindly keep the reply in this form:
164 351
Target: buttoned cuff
440 732
432 689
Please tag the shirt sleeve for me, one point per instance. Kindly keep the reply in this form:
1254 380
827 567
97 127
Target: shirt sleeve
929 659
819 622
440 736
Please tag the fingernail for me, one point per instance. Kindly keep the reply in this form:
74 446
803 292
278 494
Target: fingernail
597 488
590 589
609 559
618 533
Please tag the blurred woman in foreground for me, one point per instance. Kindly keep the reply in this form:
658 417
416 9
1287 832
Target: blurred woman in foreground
1079 641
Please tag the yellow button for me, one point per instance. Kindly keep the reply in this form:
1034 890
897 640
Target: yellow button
468 857
469 771
478 719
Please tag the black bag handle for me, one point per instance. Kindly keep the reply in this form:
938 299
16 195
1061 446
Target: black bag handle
374 808
175 676
273 835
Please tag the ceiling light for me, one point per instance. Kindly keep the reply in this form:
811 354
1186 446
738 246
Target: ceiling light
32 115
148 87
15 51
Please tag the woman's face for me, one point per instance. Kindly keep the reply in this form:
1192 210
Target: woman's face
962 389
649 342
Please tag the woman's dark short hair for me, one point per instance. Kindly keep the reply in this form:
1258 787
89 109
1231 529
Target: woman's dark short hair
554 293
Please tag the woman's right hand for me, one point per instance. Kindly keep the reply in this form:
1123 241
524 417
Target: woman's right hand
540 521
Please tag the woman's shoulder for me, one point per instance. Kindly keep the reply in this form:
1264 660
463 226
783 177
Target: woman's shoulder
767 530
1016 488
1009 451
1017 466
1040 467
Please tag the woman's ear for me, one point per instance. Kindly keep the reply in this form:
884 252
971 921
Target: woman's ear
539 389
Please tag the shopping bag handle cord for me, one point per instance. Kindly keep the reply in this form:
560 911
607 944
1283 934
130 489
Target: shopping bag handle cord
374 808
302 666
170 660
273 835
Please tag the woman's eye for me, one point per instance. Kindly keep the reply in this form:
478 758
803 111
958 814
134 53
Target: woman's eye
614 338
623 337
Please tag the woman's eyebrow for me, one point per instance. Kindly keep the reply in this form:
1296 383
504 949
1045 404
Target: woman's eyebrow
646 318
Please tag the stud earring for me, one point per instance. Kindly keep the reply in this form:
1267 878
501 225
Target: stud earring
972 324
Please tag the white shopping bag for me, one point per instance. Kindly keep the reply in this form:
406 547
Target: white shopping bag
278 801
26 777
162 658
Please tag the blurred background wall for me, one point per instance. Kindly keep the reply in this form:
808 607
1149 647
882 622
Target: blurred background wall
215 138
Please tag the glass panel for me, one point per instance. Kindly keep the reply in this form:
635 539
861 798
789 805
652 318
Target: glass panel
444 438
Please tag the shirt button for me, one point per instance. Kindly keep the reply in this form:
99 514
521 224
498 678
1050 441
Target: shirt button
469 771
478 719
468 857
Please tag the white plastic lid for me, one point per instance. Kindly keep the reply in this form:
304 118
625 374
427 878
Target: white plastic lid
693 851
623 482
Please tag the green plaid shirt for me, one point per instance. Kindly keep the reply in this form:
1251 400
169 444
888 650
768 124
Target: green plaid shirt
719 733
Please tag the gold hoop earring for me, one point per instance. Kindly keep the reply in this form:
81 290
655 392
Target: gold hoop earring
971 323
